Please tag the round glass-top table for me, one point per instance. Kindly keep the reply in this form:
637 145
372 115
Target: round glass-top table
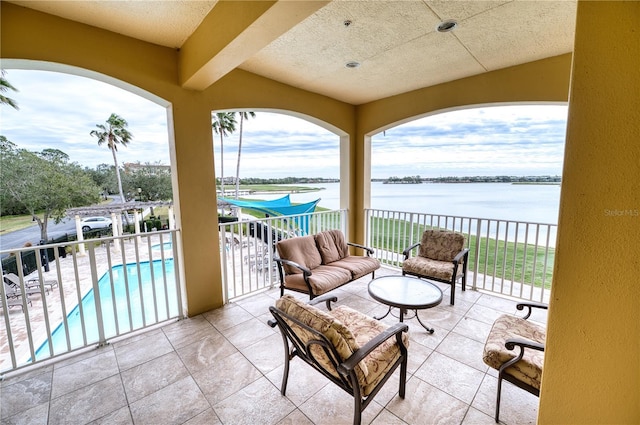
405 293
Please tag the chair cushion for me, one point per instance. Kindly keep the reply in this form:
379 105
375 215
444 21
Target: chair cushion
331 246
357 266
429 268
442 245
301 250
335 331
364 329
529 369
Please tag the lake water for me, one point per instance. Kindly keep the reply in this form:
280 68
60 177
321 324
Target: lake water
517 202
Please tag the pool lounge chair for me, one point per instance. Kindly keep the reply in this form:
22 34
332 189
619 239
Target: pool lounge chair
31 282
12 290
15 302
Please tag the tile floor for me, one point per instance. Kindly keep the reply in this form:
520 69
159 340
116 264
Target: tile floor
225 367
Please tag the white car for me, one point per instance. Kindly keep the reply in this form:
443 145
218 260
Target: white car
93 223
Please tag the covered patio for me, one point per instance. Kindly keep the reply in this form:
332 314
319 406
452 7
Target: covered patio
225 366
291 57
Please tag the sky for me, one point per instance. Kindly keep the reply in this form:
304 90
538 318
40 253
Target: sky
59 111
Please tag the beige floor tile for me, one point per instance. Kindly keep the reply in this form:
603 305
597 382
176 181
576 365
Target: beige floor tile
266 354
205 352
333 406
463 349
37 415
476 417
208 417
149 377
187 331
248 333
23 394
225 377
425 404
451 376
80 374
296 418
228 316
473 329
387 418
88 403
121 416
140 351
304 381
174 404
257 403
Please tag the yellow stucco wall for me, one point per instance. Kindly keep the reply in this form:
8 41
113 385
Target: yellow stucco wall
592 362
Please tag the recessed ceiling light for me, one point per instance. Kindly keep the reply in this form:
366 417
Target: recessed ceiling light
446 26
352 64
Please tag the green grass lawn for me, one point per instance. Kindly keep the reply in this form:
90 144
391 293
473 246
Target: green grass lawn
11 223
516 262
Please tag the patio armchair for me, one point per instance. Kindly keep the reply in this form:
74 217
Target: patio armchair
524 367
441 257
354 351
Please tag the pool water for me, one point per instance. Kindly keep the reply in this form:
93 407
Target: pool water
115 316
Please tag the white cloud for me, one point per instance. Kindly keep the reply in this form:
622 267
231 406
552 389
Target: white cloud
59 110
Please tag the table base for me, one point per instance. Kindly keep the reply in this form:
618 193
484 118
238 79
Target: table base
403 311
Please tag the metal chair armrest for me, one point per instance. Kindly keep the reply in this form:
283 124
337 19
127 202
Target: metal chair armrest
305 270
530 305
370 251
463 253
407 251
395 330
512 343
327 298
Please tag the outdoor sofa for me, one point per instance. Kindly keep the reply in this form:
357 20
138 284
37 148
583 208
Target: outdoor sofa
317 264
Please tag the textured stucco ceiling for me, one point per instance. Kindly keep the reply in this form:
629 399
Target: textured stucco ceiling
395 42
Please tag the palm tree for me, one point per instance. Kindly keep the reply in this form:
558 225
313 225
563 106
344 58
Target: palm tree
224 123
243 116
114 133
5 86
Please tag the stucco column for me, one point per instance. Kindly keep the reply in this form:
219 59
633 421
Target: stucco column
591 373
195 202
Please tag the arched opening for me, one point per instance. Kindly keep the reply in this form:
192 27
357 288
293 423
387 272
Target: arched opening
471 150
279 148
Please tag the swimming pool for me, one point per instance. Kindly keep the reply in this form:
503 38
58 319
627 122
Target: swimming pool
145 296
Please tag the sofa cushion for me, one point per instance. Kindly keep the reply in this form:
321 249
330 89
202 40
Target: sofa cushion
301 250
442 245
322 280
357 266
331 246
529 369
431 268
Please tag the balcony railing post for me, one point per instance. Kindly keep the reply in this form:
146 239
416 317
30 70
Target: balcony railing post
476 257
96 294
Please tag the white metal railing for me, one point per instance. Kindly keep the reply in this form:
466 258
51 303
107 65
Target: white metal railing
247 248
510 258
121 285
101 291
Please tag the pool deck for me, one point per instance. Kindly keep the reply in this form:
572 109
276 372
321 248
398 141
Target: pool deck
76 282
